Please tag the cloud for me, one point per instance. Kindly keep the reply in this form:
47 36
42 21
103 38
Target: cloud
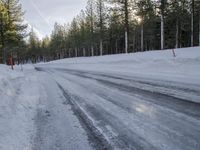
39 34
42 14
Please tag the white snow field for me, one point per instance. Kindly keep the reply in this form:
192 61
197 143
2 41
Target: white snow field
148 100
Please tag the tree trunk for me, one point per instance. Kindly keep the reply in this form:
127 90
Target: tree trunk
2 43
142 37
126 25
92 50
101 26
76 52
177 33
84 52
162 31
126 42
134 43
101 47
192 24
116 46
4 55
69 53
199 28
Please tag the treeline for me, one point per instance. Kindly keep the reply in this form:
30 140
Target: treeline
120 26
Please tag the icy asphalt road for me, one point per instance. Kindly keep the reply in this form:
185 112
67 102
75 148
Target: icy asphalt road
56 127
120 112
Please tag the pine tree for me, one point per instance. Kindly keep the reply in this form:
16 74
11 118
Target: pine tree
162 14
91 20
3 22
196 22
14 29
34 46
83 34
58 41
124 7
45 48
74 30
116 30
177 24
192 22
144 12
101 15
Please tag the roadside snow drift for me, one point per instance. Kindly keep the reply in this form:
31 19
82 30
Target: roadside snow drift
160 65
18 98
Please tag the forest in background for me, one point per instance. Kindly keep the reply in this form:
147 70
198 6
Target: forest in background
104 27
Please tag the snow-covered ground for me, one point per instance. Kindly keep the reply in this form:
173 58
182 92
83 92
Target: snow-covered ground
148 100
18 99
185 67
34 115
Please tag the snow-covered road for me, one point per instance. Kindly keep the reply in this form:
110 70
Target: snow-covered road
56 126
133 113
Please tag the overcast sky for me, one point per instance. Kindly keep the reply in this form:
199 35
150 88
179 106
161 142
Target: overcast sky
42 14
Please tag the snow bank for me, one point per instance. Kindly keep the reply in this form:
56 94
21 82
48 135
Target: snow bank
187 53
185 67
6 76
17 101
